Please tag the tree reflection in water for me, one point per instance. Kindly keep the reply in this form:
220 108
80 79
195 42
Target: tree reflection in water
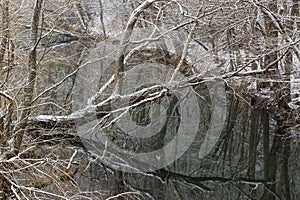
255 158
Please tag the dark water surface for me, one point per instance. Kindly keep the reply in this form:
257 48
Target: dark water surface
254 158
255 155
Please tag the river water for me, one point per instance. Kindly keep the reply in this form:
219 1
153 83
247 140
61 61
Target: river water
229 147
252 158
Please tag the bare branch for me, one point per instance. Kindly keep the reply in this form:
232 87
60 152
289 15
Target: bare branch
119 66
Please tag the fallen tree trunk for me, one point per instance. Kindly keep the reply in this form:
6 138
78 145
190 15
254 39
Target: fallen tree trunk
114 104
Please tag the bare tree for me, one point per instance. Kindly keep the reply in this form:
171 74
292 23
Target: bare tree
250 46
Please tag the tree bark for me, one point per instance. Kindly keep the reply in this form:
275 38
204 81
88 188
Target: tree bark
119 65
31 78
101 18
5 30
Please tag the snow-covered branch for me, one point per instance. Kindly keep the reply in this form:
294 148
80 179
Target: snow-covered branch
119 66
274 19
113 104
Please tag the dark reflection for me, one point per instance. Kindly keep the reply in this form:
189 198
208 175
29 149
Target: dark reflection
256 157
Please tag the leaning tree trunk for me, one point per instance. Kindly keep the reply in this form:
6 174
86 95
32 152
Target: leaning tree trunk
119 65
5 31
3 47
101 18
31 79
28 94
